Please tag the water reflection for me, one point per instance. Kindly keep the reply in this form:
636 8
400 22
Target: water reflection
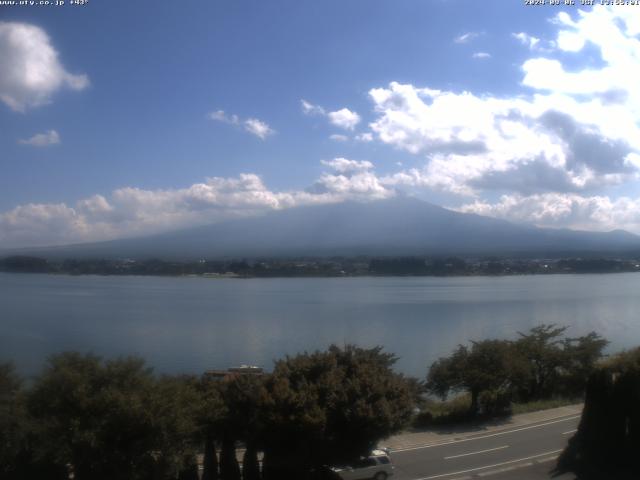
191 324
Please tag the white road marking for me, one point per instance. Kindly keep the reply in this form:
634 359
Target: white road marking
399 450
511 468
476 453
489 466
570 432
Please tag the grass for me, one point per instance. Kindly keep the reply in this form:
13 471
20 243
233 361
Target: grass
538 405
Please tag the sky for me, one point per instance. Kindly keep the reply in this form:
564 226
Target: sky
124 118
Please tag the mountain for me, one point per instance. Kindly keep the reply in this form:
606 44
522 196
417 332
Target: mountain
399 226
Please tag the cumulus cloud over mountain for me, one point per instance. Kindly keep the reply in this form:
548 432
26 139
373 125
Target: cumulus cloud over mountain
133 211
562 151
575 133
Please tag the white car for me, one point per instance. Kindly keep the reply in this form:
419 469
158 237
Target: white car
376 466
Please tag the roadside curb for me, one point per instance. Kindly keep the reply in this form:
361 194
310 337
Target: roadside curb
404 442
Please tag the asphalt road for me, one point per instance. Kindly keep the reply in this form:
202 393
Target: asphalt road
527 447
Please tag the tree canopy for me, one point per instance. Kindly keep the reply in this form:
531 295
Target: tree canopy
116 419
607 443
483 367
539 364
112 419
332 406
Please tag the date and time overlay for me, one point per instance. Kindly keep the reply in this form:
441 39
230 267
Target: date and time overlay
83 3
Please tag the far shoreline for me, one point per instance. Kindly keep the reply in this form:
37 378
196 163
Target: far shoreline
275 277
324 267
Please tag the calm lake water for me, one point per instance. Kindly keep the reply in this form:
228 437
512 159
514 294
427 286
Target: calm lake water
193 324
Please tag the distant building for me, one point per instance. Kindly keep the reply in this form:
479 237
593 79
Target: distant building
231 371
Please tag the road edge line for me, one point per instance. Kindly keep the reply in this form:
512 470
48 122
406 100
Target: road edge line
481 436
460 472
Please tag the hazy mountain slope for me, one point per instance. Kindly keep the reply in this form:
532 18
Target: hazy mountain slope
400 226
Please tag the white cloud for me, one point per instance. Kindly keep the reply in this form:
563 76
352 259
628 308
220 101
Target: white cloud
37 224
564 210
365 137
133 211
344 118
311 109
551 152
526 39
258 128
221 116
482 143
31 71
252 125
534 43
45 139
481 55
352 179
464 136
466 37
336 137
579 131
361 185
344 165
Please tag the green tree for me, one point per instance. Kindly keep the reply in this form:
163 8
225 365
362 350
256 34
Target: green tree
581 357
330 407
12 421
20 457
95 416
229 467
483 368
607 443
542 350
212 414
244 397
113 419
176 404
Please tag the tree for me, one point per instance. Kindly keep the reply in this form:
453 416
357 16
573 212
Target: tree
607 443
480 369
331 407
229 467
113 419
542 350
176 404
210 458
25 264
581 357
94 416
244 397
20 457
539 364
211 416
250 464
12 421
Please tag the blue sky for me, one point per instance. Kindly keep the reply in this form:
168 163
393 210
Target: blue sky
126 118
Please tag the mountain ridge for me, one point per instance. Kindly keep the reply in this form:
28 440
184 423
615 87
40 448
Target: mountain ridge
392 227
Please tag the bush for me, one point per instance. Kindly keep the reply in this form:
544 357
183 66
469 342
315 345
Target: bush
537 405
495 402
449 412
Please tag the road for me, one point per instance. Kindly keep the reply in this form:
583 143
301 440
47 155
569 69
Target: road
482 455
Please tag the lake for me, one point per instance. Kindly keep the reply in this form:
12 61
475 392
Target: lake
194 324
